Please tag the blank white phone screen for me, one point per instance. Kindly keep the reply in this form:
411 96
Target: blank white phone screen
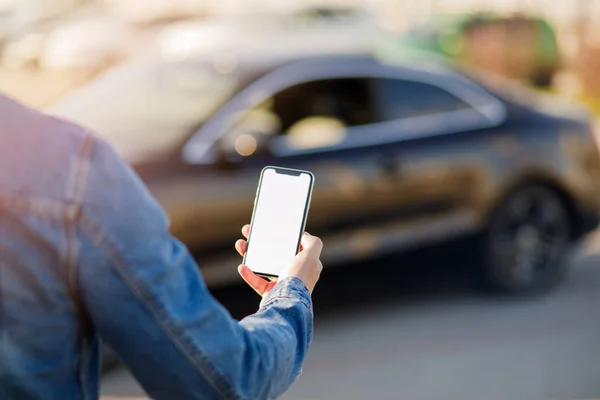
278 221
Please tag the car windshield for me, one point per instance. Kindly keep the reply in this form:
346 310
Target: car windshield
149 108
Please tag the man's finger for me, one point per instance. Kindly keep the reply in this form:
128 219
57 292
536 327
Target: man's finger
312 244
246 230
256 282
241 246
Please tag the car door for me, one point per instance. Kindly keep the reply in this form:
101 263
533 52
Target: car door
303 120
414 177
423 182
302 124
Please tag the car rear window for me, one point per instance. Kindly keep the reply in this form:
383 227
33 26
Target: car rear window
405 99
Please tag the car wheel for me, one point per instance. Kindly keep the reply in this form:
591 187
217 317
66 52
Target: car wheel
526 242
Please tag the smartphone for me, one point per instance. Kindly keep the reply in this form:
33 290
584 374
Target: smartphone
278 220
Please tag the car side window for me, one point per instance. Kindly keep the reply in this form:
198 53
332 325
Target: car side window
312 114
346 100
404 99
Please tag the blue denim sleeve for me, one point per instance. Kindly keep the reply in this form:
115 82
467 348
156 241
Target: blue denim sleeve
147 299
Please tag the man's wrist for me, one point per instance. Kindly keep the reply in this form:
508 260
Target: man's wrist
288 288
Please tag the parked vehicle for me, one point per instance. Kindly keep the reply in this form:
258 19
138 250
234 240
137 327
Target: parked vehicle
403 156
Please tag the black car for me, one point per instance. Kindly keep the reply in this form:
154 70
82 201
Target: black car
403 156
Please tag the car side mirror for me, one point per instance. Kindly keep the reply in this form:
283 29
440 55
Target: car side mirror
234 149
249 136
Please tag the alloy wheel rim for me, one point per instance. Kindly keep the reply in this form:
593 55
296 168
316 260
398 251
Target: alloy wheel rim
529 236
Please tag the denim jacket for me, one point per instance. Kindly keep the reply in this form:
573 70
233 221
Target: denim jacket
85 253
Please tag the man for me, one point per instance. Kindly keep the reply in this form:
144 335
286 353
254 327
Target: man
85 253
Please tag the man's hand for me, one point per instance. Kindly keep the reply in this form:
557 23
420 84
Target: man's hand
306 265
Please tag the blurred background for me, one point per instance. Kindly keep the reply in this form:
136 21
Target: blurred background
57 45
399 317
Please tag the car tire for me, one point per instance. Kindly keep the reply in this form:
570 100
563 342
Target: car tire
526 242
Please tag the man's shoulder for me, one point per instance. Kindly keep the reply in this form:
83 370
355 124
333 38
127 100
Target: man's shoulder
39 151
19 121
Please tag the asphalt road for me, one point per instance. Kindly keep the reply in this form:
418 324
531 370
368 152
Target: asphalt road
413 327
